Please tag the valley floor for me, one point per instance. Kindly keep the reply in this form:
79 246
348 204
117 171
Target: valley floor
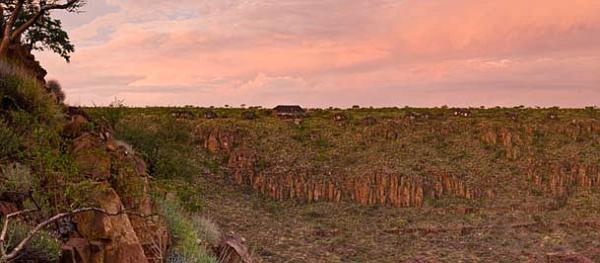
330 232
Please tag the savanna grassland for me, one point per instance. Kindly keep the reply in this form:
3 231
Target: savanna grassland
382 185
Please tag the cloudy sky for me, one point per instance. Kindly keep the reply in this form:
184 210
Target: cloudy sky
333 52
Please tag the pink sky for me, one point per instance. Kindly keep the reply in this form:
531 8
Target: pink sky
334 53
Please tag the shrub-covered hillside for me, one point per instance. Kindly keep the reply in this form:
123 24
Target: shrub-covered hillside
71 192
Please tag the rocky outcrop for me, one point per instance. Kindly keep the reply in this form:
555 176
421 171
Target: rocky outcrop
114 179
382 188
136 233
561 178
521 146
370 189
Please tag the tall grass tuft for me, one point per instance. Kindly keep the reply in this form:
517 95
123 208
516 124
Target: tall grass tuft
186 236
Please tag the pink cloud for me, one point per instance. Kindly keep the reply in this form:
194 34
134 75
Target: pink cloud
337 52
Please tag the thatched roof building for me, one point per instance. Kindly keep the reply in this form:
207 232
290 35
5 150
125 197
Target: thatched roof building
289 111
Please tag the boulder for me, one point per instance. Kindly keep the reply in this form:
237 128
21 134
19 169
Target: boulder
89 153
232 249
115 232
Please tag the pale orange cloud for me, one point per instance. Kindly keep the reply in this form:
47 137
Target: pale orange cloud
336 52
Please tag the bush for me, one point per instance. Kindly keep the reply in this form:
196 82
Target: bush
55 88
165 145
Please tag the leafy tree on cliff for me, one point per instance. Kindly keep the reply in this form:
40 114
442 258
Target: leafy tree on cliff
29 22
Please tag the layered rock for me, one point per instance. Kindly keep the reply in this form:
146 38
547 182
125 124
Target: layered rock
521 147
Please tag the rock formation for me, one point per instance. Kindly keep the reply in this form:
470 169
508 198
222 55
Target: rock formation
382 184
138 234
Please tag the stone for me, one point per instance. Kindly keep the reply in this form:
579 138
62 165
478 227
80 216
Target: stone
121 243
232 249
89 153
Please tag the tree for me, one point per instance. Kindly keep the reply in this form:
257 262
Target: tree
29 22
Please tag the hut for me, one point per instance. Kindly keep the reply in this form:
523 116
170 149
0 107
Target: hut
289 111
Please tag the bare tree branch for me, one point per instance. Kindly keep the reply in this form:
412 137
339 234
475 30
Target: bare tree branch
5 227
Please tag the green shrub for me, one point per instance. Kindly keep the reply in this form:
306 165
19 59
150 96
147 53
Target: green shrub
56 89
165 144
